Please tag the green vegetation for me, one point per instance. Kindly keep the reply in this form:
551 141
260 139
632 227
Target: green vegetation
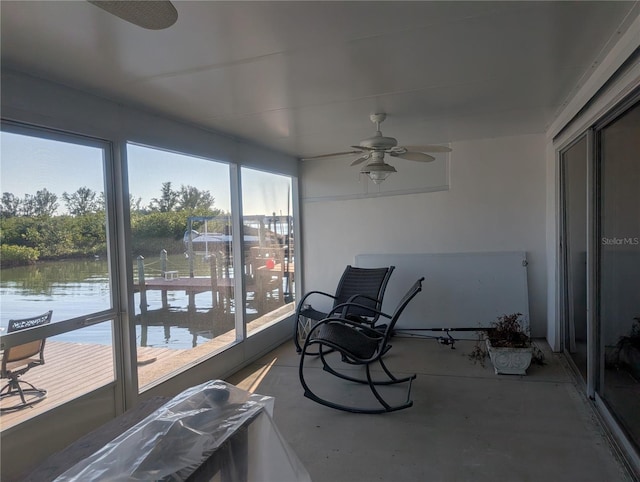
30 229
11 255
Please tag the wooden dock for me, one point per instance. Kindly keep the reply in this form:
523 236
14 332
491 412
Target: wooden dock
190 285
265 283
266 269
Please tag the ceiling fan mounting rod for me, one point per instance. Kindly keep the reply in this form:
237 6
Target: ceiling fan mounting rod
377 119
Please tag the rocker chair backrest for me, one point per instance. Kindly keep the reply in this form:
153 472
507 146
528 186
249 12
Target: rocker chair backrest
29 349
413 291
369 282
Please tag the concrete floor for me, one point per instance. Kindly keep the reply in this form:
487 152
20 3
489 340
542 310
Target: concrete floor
466 424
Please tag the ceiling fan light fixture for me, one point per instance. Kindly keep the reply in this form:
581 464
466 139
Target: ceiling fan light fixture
378 171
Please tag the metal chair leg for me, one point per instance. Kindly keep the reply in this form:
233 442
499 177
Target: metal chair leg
13 388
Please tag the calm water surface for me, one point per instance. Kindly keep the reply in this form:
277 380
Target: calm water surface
73 288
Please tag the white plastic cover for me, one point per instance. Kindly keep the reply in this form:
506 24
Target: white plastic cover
186 432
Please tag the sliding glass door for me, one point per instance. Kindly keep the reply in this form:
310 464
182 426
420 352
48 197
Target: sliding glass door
573 168
600 267
619 270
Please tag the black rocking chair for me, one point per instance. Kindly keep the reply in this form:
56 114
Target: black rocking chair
364 285
357 344
17 360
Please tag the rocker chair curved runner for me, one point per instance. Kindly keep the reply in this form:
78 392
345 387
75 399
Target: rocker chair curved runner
17 360
364 285
357 344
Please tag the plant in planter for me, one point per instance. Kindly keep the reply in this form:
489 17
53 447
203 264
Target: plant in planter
508 345
626 353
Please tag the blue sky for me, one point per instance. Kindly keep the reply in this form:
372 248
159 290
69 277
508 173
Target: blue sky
29 164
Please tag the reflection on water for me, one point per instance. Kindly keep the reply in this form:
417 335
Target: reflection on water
74 288
178 328
43 278
70 288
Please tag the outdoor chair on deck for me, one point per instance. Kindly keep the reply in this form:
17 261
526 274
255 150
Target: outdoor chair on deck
343 341
363 286
17 360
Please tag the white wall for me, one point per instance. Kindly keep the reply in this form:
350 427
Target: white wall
496 202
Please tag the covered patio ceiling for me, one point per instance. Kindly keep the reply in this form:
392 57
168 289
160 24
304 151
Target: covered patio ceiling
303 77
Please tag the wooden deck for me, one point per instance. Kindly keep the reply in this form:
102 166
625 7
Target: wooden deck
73 369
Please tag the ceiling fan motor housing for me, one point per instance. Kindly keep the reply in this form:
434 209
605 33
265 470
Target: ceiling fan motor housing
379 142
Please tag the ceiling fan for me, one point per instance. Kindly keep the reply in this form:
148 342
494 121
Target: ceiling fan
149 14
374 148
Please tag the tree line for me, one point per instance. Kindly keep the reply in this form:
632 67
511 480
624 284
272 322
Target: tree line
31 229
86 201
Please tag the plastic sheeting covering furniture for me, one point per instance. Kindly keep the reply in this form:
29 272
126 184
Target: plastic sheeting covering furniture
213 431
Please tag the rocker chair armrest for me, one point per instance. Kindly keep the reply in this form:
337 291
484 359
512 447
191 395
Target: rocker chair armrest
355 297
301 304
370 317
310 293
343 308
364 330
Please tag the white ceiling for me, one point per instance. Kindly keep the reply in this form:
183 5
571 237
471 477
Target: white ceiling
303 77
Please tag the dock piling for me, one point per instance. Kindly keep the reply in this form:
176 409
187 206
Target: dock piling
142 284
163 261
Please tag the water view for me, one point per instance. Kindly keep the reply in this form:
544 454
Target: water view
54 239
73 288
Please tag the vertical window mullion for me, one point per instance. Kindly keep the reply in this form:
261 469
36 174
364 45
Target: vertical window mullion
125 329
592 247
240 294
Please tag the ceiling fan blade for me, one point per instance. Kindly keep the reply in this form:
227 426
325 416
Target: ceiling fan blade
150 14
365 148
361 159
428 148
413 156
333 154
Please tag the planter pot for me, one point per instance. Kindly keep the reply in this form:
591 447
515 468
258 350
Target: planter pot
509 361
629 358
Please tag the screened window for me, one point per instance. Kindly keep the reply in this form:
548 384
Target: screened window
182 250
269 247
55 255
